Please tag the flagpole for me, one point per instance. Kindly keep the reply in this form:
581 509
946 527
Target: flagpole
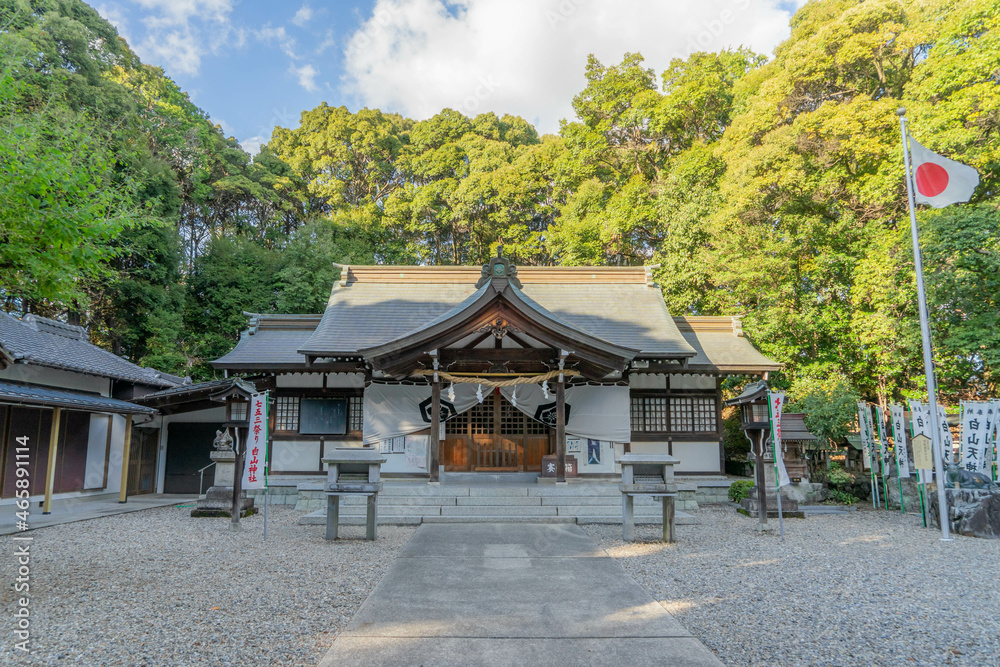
925 333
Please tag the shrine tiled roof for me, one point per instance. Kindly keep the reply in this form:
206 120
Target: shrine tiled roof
18 394
271 343
374 305
618 305
721 346
44 342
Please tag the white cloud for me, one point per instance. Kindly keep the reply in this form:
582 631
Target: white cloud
180 32
280 36
252 144
329 42
303 16
115 15
227 129
306 76
527 57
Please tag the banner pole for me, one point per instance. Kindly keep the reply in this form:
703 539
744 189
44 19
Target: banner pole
925 334
267 455
776 449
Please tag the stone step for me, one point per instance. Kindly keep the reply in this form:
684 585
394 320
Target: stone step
581 489
497 501
487 510
318 518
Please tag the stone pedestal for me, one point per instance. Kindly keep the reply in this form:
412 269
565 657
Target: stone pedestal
911 494
788 506
218 500
972 512
751 504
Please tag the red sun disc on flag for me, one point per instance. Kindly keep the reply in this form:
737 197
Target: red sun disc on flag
932 179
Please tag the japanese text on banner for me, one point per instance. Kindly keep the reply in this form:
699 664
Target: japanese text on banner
254 470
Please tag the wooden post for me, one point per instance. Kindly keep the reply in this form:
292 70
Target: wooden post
668 518
237 508
560 431
371 517
435 427
50 472
126 455
761 482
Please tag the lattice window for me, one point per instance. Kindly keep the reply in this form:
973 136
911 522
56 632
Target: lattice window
681 418
692 415
356 413
535 427
649 414
286 416
238 410
704 414
511 419
458 425
481 417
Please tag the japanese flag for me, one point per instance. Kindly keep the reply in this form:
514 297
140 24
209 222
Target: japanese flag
939 181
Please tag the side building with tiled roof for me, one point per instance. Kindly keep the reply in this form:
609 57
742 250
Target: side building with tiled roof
66 413
525 368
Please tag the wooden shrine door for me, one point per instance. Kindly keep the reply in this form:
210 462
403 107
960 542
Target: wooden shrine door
494 436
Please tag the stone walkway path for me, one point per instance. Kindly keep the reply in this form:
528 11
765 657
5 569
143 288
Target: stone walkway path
71 510
511 594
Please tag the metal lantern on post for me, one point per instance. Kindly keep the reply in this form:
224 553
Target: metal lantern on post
756 425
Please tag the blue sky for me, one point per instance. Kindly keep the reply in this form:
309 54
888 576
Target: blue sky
254 64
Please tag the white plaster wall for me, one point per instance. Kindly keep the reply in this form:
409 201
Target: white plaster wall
692 382
300 380
57 379
647 381
97 446
693 456
345 380
294 455
116 454
697 456
330 445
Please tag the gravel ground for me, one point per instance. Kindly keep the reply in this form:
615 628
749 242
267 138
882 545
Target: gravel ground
160 588
869 588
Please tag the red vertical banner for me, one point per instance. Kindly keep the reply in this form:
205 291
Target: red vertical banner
255 467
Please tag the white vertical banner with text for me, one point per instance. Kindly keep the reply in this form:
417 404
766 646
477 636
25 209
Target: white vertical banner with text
947 442
978 423
898 416
883 441
867 439
775 402
255 456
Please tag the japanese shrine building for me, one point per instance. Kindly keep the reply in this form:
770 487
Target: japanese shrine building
588 361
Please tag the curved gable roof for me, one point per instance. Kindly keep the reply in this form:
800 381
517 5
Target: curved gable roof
372 306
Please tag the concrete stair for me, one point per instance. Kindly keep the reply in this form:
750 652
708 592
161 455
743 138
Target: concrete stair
419 502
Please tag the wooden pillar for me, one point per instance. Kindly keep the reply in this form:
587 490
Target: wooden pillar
668 519
237 508
761 481
435 427
126 454
561 430
50 472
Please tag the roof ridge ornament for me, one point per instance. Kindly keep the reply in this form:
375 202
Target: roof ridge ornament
499 268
